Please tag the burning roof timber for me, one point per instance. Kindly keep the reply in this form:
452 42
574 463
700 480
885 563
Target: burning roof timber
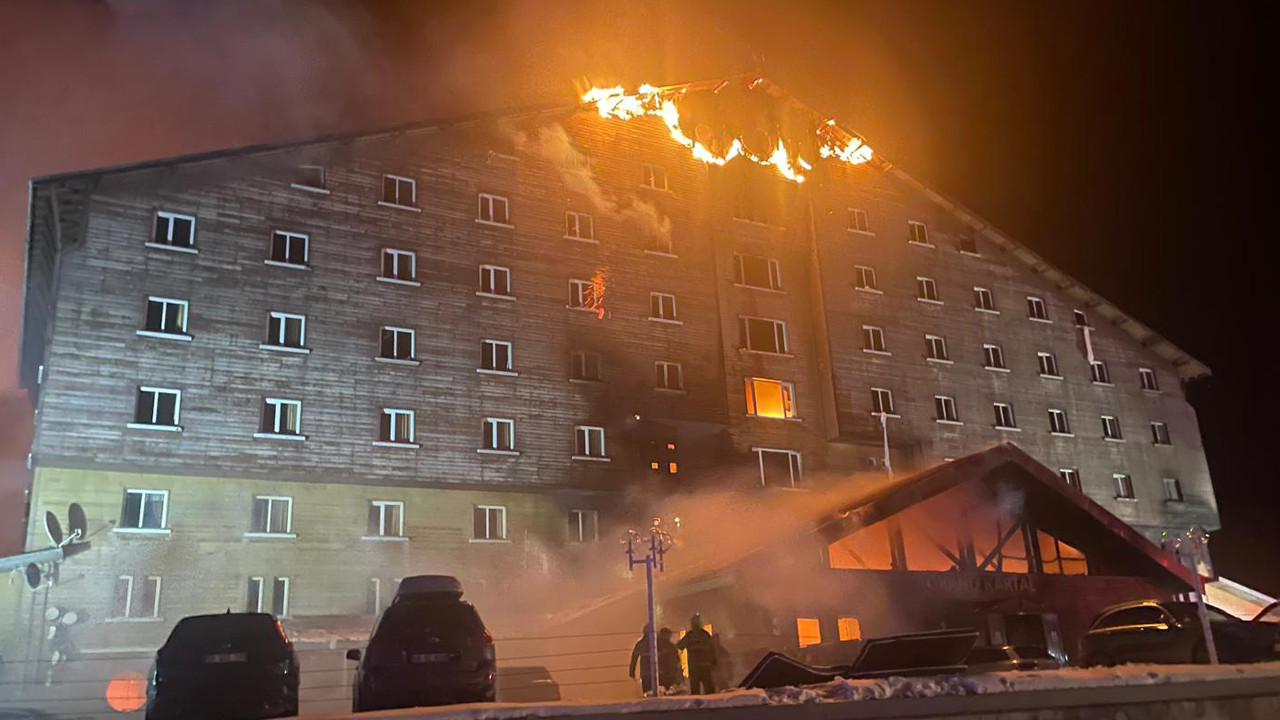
745 118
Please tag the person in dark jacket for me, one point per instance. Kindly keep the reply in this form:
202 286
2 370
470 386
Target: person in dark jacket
641 653
669 673
702 657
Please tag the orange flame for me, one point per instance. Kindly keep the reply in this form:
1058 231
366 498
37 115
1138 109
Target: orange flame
615 102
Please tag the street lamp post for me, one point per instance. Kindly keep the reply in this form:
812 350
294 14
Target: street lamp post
1186 548
658 543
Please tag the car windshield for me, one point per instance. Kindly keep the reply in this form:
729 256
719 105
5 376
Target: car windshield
213 631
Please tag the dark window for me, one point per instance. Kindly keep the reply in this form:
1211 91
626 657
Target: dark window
289 248
166 316
757 272
585 366
310 176
157 406
762 335
175 230
779 468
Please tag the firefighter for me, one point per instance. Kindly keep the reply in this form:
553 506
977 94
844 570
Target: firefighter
669 673
641 653
702 657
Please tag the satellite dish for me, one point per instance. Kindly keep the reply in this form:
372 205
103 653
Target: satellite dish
77 525
33 575
70 617
53 528
51 613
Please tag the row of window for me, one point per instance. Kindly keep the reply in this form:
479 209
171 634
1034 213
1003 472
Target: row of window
1123 484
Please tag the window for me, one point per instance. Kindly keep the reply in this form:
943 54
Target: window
864 278
881 401
1058 424
653 176
576 159
493 210
983 300
489 522
808 631
373 597
585 366
1173 490
144 510
762 335
770 398
589 441
668 376
495 280
1160 433
174 230
157 407
1099 373
141 602
936 348
579 226
272 515
584 526
309 177
757 272
1036 309
968 244
1081 319
927 289
499 434
1146 376
397 343
122 597
400 191
399 265
1048 364
779 468
166 316
1111 428
1124 486
281 417
582 294
396 427
659 243
993 357
286 330
280 597
1004 416
386 519
858 221
253 602
495 355
918 232
289 248
873 339
662 306
849 628
1070 476
945 409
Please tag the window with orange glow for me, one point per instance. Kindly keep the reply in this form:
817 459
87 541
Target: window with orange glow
1011 556
808 631
849 628
770 398
921 548
865 549
1059 558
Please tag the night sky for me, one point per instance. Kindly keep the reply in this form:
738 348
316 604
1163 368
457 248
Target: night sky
1125 142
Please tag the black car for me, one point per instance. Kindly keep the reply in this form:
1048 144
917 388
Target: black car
1005 658
428 648
1170 632
234 666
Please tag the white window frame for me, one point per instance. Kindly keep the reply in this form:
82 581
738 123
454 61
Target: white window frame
382 506
1111 430
1147 380
650 174
399 256
288 591
490 202
169 217
878 397
488 349
276 405
128 598
154 610
859 222
1179 493
932 343
584 434
1124 489
323 187
873 340
927 290
278 342
1037 309
579 366
916 229
795 464
289 238
164 512
661 297
587 524
786 388
780 338
944 410
155 409
1071 476
493 272
772 264
262 591
863 273
1048 362
1004 411
489 535
662 369
376 585
1080 318
166 333
580 291
399 199
490 426
391 440
1099 373
397 333
984 300
993 358
1059 424
573 226
1160 434
271 501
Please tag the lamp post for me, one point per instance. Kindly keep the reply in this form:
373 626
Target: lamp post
659 542
1186 548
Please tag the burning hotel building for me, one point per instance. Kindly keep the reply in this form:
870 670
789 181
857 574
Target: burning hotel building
283 377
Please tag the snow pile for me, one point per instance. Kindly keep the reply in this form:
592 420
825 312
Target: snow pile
841 690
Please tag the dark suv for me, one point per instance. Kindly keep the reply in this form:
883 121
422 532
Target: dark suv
234 666
1170 632
428 648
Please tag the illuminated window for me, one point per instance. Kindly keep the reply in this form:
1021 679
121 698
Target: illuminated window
1004 416
757 272
993 357
157 408
499 434
1058 424
584 526
1099 373
864 278
927 290
1070 476
493 210
653 176
489 522
919 234
936 348
396 427
867 548
1036 309
873 339
1048 364
770 398
1111 428
174 231
881 401
281 417
1160 433
397 343
849 628
762 335
579 226
945 409
983 300
496 356
166 316
495 281
285 330
779 468
399 265
808 631
858 221
1124 486
1146 378
669 376
399 191
309 177
1059 558
662 306
1173 490
386 519
585 366
289 249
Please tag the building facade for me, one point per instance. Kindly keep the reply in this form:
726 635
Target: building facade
284 377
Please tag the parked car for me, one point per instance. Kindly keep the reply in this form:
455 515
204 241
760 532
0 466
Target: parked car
1170 632
233 666
427 648
1270 616
1003 658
